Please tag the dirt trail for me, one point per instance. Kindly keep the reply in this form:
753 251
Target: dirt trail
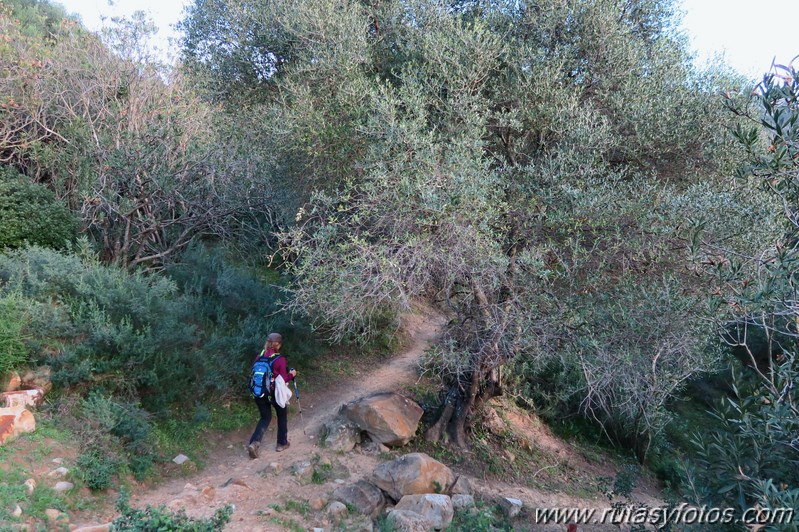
231 477
254 486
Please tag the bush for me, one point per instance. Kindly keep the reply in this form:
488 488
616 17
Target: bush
31 214
13 352
160 518
97 468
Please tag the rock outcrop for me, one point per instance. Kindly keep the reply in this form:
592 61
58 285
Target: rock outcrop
435 507
388 418
413 474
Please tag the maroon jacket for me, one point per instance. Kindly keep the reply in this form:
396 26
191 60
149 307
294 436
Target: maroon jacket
279 366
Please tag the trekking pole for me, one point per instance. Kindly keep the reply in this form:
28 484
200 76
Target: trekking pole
299 404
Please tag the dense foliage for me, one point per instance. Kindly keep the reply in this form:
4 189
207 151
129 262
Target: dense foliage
544 173
30 214
130 348
525 166
752 456
124 142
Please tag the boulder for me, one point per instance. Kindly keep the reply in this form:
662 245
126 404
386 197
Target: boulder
388 418
363 496
22 398
406 521
413 474
341 435
511 506
13 422
435 507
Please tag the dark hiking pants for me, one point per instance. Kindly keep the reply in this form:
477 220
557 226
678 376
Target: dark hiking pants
265 405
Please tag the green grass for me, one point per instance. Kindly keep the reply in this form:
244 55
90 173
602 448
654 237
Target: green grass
13 492
301 508
287 524
189 435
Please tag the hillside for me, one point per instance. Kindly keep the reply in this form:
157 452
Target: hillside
257 487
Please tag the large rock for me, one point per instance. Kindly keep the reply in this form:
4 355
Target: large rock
363 496
22 398
511 506
435 507
413 474
13 422
389 418
406 521
341 434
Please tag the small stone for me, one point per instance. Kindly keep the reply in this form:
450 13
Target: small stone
61 472
180 459
55 515
317 503
340 481
325 461
318 530
336 510
30 485
190 487
63 486
512 506
58 461
274 467
17 511
208 493
240 483
301 469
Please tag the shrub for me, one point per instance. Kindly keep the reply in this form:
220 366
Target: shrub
13 352
160 518
97 468
31 214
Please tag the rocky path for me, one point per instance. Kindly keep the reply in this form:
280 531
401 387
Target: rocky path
254 486
279 491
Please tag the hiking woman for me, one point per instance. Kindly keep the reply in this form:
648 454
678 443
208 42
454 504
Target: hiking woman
278 363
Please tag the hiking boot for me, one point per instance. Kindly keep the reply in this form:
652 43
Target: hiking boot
281 447
252 449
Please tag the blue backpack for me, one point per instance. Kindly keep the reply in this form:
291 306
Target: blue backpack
262 376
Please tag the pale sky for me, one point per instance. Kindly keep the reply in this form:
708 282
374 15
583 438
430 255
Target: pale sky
750 34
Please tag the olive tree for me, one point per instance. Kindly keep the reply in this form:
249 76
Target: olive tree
492 158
